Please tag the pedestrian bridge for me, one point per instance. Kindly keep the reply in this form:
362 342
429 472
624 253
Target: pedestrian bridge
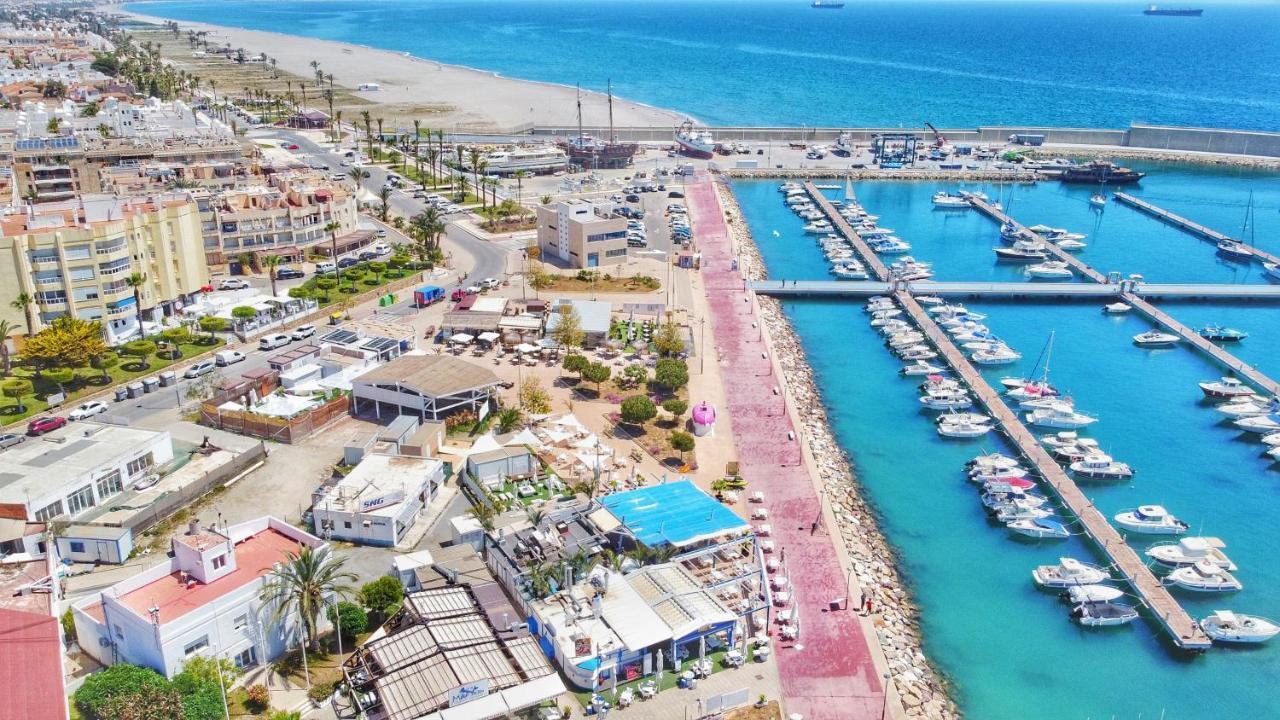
855 288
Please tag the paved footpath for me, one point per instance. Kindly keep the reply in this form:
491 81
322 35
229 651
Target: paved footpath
829 673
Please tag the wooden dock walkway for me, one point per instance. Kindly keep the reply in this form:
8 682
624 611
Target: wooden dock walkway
1190 227
1076 264
1165 610
1029 290
843 228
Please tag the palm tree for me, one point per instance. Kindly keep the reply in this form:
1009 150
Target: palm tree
432 156
368 130
6 329
302 584
337 126
520 176
136 281
332 228
384 197
271 262
473 155
380 141
359 175
22 303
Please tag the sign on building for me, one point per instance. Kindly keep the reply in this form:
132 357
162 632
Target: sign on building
464 694
383 500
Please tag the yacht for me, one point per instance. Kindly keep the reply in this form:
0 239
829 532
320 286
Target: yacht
1150 520
920 367
1017 510
1236 251
1098 200
1204 577
1075 452
963 429
542 159
850 271
1228 627
1272 270
870 232
1070 244
1154 339
818 227
1062 415
930 301
993 461
895 327
1217 333
1261 424
946 201
1056 235
1077 594
1021 252
1227 387
959 417
1099 466
1039 528
889 246
919 352
1191 550
1000 355
790 187
947 400
1031 390
879 302
1103 614
1274 454
1068 572
1050 270
1116 308
1061 439
1247 407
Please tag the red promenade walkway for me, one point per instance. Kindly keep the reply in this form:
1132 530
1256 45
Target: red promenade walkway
828 674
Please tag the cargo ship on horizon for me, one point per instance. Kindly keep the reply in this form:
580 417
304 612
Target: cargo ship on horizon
1184 12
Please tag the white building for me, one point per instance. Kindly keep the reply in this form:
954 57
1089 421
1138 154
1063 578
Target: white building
378 501
202 601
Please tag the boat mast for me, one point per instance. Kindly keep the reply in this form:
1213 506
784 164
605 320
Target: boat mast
1247 230
1048 355
848 189
579 89
612 137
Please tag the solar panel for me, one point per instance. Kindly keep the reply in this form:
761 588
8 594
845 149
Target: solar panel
341 337
380 344
57 143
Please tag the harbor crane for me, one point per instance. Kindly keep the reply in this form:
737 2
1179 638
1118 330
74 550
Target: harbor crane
939 140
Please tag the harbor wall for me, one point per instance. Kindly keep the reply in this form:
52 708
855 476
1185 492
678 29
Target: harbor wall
1151 137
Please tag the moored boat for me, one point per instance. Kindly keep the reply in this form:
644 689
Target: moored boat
1039 528
1218 333
1116 308
1229 627
1155 339
1061 415
1227 387
1191 550
1068 572
1150 520
1103 614
1050 270
1077 594
1100 466
920 367
1204 577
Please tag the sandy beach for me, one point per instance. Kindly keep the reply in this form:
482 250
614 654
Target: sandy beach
442 96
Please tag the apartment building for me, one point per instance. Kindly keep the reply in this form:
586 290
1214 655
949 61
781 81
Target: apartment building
74 258
582 234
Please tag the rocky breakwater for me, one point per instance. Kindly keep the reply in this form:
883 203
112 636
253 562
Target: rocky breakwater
917 686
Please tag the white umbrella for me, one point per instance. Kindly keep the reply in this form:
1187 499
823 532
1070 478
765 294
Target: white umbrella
526 348
461 338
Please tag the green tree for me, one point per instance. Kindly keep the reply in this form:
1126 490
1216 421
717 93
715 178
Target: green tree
201 699
6 329
150 702
176 335
509 419
675 406
575 363
326 285
638 409
300 585
378 269
243 313
207 669
22 302
596 373
382 596
568 330
671 373
212 324
140 349
668 339
17 388
635 375
534 398
67 342
271 262
681 442
300 292
118 681
105 362
354 620
384 202
136 281
61 377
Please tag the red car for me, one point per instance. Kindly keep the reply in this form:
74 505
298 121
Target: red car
40 426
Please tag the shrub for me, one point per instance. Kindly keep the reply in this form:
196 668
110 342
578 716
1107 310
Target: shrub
459 419
575 363
675 406
68 625
320 692
681 442
382 596
638 410
671 373
258 697
118 681
353 619
596 373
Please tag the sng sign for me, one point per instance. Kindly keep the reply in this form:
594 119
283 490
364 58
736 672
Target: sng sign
374 503
466 693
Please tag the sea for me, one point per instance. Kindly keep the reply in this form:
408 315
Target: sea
781 62
1008 649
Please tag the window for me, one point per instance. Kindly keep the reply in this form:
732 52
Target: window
119 632
49 512
242 622
194 647
347 524
77 546
219 562
109 485
248 658
618 252
80 500
137 465
601 237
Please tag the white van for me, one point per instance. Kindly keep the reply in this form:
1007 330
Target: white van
325 267
271 342
227 357
380 248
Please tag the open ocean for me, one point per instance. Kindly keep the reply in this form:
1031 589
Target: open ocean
775 62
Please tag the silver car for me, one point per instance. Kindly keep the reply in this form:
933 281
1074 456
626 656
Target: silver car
8 440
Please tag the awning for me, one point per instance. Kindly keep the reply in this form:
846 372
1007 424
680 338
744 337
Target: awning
461 338
490 706
531 693
526 348
489 337
11 529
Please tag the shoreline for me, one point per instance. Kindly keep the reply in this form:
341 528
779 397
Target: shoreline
475 99
919 686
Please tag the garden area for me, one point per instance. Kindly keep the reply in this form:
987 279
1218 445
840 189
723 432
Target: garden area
70 356
540 278
327 289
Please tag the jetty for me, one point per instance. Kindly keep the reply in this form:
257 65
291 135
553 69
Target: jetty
1076 264
1182 630
1190 227
1027 290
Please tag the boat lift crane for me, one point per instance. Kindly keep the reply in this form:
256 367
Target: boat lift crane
939 140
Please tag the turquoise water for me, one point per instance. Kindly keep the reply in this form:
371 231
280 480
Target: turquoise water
1008 647
761 62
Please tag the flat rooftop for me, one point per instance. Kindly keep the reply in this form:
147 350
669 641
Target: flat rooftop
32 468
254 557
389 478
432 375
674 513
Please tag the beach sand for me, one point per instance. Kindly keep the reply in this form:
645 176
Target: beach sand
442 96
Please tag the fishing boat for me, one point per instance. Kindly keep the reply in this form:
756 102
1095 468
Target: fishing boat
1050 270
1191 550
1229 627
1068 572
920 367
1100 466
946 201
694 143
1116 308
1227 387
1150 520
1039 528
1204 577
1218 333
1103 614
1077 594
1155 339
1060 415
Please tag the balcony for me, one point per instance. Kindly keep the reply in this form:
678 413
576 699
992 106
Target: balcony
114 249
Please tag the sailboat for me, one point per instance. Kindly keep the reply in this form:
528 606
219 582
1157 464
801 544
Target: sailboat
849 199
1099 199
590 152
1236 249
1030 388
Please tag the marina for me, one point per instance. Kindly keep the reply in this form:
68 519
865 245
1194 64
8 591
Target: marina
1191 227
1080 291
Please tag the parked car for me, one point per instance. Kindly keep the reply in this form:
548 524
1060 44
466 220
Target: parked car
382 232
8 440
474 289
457 295
88 410
271 342
637 242
368 255
381 248
204 367
288 273
325 267
347 262
233 284
228 357
633 198
490 283
675 194
42 425
303 331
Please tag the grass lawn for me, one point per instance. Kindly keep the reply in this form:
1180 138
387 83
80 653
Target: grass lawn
365 282
90 380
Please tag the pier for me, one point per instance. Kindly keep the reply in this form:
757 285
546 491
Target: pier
1190 227
1076 264
1028 290
1184 632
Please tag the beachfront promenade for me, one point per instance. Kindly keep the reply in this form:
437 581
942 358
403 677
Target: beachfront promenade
829 672
1165 610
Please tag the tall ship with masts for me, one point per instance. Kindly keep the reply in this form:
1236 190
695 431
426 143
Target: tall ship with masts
591 153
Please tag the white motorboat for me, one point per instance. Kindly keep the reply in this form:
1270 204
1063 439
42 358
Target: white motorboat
1018 510
1229 627
973 195
1022 254
1103 614
1033 390
1191 550
948 310
1068 572
963 417
919 352
1070 244
905 339
1271 439
920 367
1261 424
850 271
891 246
1039 528
947 401
993 461
870 231
1077 594
895 327
1247 407
878 302
790 187
1116 308
1060 415
930 300
963 429
1150 520
818 227
1098 200
1227 387
974 344
1155 338
1100 466
1050 270
991 475
885 314
1204 577
1274 453
1062 439
947 201
1000 355
1011 485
